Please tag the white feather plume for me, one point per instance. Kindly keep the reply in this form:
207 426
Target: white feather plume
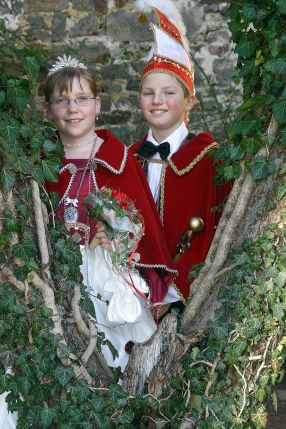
169 9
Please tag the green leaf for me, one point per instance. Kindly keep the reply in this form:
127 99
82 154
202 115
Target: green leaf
32 68
2 97
270 66
18 93
88 306
4 239
25 385
7 179
80 393
263 380
50 146
252 102
69 251
47 416
99 404
279 311
51 169
280 66
260 394
279 111
281 5
117 393
249 12
9 131
245 127
236 153
232 172
38 174
64 351
269 139
275 47
196 402
261 168
242 258
251 145
63 375
23 210
259 419
246 47
126 417
37 142
279 192
248 69
23 165
24 250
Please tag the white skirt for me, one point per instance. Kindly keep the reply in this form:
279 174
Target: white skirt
121 313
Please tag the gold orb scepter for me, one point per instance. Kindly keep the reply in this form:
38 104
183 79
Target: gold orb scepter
196 224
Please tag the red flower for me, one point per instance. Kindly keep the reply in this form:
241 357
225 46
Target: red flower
122 198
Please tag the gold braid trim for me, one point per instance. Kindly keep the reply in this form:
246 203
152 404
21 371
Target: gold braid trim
162 192
193 163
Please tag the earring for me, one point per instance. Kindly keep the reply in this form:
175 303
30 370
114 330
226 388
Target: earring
96 118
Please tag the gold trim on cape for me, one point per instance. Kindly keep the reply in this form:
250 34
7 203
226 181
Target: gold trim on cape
193 163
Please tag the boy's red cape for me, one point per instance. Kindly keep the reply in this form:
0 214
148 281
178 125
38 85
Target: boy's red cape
189 191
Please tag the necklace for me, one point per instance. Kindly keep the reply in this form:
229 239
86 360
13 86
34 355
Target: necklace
78 145
71 204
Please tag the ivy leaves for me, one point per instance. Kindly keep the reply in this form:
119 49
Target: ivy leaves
261 49
22 134
262 167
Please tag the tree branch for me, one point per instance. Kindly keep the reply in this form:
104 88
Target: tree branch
41 231
227 229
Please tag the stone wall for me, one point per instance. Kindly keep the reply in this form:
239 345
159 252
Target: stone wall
108 36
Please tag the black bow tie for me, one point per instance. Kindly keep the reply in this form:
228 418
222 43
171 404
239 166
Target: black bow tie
149 149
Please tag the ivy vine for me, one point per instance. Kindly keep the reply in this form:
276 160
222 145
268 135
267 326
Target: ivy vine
224 381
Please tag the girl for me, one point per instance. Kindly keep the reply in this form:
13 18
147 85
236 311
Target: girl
93 160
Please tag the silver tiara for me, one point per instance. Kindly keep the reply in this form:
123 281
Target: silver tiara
65 62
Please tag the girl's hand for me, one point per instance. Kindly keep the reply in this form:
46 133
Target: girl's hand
101 235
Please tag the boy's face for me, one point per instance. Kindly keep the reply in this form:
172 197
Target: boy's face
74 122
163 104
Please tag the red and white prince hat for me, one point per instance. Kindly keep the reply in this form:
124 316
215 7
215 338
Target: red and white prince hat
169 52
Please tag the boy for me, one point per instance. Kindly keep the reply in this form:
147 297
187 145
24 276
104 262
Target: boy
178 164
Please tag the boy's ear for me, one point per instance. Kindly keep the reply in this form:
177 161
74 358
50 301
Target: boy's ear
191 101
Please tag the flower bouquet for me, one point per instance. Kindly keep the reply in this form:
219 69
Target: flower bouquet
122 222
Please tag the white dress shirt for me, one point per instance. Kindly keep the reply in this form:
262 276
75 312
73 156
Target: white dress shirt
154 175
154 170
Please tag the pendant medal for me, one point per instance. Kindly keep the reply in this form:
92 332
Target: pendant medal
70 214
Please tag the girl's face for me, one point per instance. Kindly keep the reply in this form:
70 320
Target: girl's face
163 104
74 122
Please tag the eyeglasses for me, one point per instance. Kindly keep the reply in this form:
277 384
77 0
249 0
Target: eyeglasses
62 103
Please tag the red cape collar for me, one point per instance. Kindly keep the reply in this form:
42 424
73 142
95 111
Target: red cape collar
112 153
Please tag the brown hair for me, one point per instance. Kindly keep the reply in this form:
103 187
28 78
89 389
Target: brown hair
63 80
